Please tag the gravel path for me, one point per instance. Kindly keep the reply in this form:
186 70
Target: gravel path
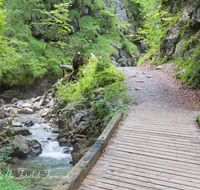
157 94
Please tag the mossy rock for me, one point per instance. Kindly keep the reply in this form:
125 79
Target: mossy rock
10 132
90 142
3 134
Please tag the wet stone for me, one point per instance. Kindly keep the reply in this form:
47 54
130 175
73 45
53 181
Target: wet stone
138 88
17 124
28 123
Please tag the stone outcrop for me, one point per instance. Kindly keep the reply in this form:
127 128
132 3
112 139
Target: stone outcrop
19 147
123 58
187 25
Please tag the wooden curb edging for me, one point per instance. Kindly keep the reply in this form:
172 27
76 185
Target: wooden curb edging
78 173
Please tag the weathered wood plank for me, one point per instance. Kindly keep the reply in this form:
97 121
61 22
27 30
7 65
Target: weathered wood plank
105 184
182 147
147 171
188 167
134 184
172 134
66 67
170 169
140 178
168 148
187 146
157 153
161 128
159 136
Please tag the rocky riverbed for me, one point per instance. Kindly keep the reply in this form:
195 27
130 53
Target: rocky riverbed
42 134
72 124
32 143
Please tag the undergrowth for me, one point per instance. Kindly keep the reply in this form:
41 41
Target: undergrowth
98 77
7 181
158 21
189 62
24 58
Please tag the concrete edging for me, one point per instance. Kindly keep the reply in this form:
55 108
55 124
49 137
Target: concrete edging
78 173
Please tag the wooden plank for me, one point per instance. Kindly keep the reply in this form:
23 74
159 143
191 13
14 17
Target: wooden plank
133 184
158 136
162 128
194 144
171 152
66 67
154 166
90 187
188 146
145 181
135 130
188 167
97 183
157 122
155 153
150 126
131 174
159 174
183 150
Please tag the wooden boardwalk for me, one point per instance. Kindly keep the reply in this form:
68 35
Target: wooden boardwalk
149 155
157 146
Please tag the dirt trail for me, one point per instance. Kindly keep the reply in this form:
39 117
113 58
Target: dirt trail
157 94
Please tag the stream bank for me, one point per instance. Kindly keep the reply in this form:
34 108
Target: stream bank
32 143
64 132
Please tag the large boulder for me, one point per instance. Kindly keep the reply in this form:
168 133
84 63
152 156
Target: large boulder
23 132
19 147
34 148
63 123
16 124
64 142
64 134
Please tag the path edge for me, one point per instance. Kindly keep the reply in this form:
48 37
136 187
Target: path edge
79 172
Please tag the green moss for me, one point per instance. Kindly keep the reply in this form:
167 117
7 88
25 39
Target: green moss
74 14
198 119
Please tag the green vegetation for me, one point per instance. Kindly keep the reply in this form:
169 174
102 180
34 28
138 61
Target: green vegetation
23 59
6 177
158 22
99 77
190 60
26 58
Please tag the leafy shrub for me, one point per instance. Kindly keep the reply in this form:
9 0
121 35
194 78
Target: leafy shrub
190 60
95 75
98 77
7 181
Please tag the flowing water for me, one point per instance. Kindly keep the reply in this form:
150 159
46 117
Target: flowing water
45 171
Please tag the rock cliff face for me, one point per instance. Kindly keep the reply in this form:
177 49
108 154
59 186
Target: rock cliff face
186 26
